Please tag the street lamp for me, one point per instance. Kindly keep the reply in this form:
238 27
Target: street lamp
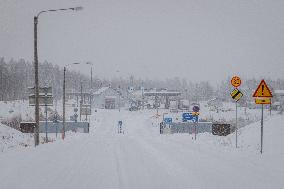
91 86
63 128
36 131
64 84
119 93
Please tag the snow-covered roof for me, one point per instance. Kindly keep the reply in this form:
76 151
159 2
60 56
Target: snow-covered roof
110 96
101 90
162 93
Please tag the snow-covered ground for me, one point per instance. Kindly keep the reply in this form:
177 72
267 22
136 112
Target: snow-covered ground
11 138
142 158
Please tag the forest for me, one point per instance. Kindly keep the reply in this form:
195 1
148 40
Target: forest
16 76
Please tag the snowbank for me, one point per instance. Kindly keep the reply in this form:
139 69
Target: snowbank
11 138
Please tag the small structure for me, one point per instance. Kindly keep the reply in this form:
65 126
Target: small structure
162 94
85 96
279 99
106 97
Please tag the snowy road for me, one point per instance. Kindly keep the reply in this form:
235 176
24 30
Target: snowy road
140 158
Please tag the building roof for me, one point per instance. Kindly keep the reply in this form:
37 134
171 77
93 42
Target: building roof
162 93
101 90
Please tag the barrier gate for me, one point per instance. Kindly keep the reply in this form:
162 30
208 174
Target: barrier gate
185 127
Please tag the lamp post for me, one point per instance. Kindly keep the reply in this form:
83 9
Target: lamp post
36 130
64 84
119 92
91 84
63 128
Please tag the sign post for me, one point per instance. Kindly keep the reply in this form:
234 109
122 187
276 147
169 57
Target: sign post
236 94
236 124
45 95
195 113
45 99
263 96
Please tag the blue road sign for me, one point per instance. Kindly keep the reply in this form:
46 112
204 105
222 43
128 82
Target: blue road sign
195 118
168 120
189 117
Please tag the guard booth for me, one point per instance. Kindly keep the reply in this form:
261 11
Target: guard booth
162 94
27 127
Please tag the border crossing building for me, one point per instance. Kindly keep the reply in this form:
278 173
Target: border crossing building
106 98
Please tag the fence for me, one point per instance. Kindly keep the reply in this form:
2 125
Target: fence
185 127
82 127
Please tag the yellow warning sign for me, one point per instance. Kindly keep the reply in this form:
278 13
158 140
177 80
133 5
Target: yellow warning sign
236 94
195 113
263 101
262 90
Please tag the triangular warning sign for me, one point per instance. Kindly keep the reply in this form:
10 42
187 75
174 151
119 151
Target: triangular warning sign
262 90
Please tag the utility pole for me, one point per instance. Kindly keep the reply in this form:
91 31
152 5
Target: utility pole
119 98
91 89
64 100
81 101
36 129
63 128
91 78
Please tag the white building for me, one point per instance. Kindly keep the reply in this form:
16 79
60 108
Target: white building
106 97
278 99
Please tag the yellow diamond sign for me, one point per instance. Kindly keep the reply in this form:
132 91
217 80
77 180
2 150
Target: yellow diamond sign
236 94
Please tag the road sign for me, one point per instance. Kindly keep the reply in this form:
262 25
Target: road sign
85 109
236 81
189 117
265 95
262 90
168 120
236 94
45 96
42 90
195 108
195 113
263 101
48 100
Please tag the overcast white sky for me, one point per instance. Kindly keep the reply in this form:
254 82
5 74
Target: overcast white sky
194 39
